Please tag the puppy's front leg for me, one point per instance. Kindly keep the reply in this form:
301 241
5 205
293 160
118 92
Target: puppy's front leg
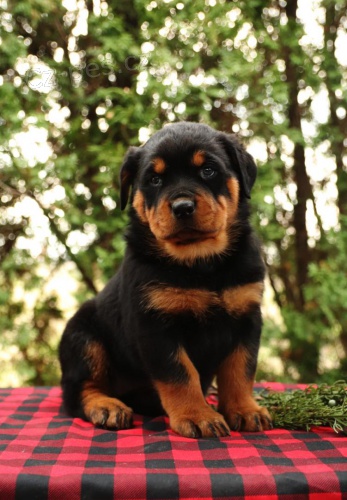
182 399
235 378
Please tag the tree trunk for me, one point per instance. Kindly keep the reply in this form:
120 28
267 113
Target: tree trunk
301 179
333 81
338 126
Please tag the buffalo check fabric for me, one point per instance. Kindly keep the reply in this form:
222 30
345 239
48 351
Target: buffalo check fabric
46 455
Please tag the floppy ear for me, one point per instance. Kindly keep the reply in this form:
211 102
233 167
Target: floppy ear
127 174
241 161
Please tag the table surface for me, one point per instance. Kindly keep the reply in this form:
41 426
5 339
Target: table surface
46 455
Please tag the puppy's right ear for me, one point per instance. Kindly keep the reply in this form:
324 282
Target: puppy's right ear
128 173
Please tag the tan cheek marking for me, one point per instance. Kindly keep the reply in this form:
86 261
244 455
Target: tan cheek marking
234 190
139 206
206 211
239 299
159 165
198 158
213 214
179 300
160 219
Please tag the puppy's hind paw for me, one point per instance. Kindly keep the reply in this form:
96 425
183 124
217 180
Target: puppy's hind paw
109 413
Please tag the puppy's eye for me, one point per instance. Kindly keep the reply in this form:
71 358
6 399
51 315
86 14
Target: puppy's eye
208 173
156 181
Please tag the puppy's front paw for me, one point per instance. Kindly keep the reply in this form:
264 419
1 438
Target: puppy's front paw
200 423
251 418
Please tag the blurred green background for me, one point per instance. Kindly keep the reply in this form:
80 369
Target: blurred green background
82 80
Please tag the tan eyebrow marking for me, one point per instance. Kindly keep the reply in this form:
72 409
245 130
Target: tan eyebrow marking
198 158
159 165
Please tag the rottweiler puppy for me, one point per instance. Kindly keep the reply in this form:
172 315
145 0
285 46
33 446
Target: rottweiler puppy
184 306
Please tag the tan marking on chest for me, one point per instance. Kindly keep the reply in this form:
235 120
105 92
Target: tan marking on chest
238 300
175 300
179 300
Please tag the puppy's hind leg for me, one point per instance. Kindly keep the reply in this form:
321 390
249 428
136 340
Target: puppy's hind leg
98 407
85 382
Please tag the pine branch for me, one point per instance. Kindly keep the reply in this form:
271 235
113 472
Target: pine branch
320 405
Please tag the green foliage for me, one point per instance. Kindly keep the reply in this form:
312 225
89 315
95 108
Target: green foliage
86 90
314 406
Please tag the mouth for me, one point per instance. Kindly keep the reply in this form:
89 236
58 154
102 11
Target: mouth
189 236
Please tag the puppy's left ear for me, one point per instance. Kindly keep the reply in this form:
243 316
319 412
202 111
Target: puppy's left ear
128 173
241 161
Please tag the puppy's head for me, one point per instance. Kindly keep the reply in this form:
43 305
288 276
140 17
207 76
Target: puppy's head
187 184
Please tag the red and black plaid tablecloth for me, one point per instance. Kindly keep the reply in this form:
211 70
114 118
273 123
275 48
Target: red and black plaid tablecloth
46 455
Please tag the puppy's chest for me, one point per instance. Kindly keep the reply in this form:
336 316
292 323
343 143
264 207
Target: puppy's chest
235 300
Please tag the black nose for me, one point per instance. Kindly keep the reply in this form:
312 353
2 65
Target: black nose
183 208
